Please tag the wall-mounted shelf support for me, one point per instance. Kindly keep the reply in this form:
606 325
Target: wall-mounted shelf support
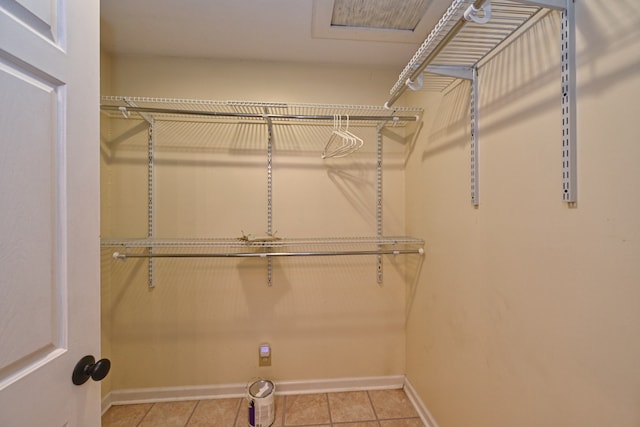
160 109
269 191
475 183
150 195
379 197
464 37
458 72
568 52
150 179
548 4
471 74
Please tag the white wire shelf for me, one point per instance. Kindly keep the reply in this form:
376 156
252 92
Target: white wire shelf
456 42
153 110
238 247
241 242
469 33
180 109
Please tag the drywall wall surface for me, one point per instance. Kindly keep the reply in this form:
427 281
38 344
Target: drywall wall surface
526 311
325 317
250 80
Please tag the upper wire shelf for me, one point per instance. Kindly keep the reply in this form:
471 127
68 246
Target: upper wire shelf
458 42
180 109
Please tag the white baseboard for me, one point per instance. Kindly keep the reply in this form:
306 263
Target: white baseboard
106 403
424 413
340 384
164 394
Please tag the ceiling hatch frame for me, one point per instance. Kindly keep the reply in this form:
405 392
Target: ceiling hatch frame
322 28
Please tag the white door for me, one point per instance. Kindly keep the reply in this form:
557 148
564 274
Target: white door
49 211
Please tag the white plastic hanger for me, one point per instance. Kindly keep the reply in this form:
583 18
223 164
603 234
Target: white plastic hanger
341 142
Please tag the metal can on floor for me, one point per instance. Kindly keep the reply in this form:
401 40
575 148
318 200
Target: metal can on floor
261 403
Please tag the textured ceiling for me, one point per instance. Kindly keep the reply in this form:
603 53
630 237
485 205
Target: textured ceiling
267 30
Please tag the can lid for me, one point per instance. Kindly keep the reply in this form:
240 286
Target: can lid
261 388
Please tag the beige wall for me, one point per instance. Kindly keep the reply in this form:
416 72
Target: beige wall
203 322
253 81
526 311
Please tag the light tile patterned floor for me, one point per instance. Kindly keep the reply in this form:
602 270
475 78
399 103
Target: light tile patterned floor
374 408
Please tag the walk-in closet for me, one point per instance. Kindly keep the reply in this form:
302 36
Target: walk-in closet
430 228
320 213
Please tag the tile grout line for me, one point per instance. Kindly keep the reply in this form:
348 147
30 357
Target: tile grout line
326 396
284 406
373 407
193 411
145 414
238 410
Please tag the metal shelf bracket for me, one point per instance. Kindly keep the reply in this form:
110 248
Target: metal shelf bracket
269 192
569 128
475 187
379 198
471 74
150 194
459 72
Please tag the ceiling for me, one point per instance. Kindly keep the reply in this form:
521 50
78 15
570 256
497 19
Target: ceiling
264 30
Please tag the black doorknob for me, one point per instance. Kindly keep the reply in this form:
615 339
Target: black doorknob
87 368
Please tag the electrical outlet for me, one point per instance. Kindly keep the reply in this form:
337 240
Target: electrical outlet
264 355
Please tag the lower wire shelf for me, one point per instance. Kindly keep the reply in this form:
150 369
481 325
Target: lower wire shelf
262 247
124 256
265 247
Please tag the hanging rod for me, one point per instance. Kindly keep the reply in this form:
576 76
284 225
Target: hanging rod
265 116
430 57
420 251
248 242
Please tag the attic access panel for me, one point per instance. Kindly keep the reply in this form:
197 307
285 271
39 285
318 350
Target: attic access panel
379 14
